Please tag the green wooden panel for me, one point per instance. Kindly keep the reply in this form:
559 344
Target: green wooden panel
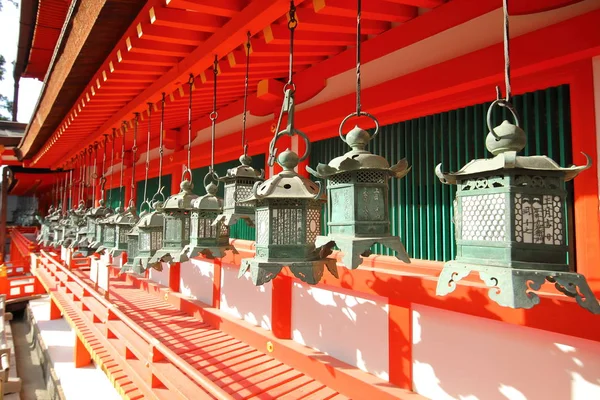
152 189
240 230
420 206
113 196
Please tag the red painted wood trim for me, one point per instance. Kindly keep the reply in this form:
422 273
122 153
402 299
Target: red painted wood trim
400 344
218 273
583 125
281 307
174 276
330 371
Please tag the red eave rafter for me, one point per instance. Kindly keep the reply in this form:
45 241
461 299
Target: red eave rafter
165 43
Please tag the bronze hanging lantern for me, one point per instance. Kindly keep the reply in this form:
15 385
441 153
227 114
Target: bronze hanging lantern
510 219
98 217
208 238
177 210
151 223
288 207
357 189
126 221
240 180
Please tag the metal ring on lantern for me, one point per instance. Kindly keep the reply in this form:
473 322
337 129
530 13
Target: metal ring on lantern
145 202
357 115
159 192
213 176
186 170
505 104
273 150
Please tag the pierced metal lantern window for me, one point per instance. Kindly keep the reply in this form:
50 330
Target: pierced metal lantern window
239 182
207 238
132 248
150 238
109 229
124 222
176 211
510 223
288 217
357 192
96 223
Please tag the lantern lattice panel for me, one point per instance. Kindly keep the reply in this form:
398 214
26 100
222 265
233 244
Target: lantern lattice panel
123 231
109 232
538 219
262 226
483 217
132 247
287 226
313 220
144 241
370 177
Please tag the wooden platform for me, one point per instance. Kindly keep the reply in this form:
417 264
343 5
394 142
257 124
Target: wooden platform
235 369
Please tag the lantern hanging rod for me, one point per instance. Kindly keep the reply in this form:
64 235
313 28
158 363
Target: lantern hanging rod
189 147
133 153
124 128
95 174
292 24
358 40
103 178
213 117
112 163
148 152
244 114
160 143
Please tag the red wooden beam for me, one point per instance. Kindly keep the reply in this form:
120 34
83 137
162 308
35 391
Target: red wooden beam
225 8
377 10
277 34
182 19
169 35
419 3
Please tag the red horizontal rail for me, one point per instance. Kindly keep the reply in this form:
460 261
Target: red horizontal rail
168 354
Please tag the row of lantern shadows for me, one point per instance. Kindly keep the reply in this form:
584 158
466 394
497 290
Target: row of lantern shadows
509 215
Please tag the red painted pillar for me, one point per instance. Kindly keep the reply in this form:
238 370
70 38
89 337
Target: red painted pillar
217 273
54 310
400 344
174 276
281 307
81 356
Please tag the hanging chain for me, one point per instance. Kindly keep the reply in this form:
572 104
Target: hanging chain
506 55
94 174
148 151
244 143
213 117
160 141
71 187
103 179
358 40
189 149
112 162
500 101
81 177
124 128
292 24
133 153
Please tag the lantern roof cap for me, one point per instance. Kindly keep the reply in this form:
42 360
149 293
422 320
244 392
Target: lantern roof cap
510 160
359 159
151 219
127 217
100 211
244 170
287 184
208 202
181 200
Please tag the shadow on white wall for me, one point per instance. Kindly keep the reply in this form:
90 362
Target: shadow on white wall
197 279
161 277
457 356
242 299
349 328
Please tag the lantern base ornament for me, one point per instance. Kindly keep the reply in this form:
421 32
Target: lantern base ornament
310 272
168 256
354 248
209 252
514 288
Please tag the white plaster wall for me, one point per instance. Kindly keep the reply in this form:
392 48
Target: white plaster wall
196 279
160 277
240 298
596 72
457 356
349 328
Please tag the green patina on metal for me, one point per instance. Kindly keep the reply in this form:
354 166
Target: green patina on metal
150 239
124 222
420 207
510 222
240 229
